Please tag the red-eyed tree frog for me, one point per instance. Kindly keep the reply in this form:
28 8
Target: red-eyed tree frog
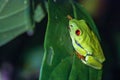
85 43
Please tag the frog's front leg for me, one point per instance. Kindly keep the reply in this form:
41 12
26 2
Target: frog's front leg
80 56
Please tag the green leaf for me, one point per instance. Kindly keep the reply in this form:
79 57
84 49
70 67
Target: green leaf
60 61
57 41
14 20
39 13
62 71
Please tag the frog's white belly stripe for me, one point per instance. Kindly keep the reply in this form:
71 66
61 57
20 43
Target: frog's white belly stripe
78 44
88 53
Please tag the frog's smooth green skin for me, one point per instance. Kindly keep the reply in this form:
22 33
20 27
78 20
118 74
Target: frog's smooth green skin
86 43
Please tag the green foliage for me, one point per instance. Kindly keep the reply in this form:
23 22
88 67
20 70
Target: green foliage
14 20
59 62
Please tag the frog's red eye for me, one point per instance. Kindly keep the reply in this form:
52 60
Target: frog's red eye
77 32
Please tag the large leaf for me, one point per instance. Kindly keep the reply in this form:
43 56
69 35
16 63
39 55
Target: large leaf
57 42
59 62
14 19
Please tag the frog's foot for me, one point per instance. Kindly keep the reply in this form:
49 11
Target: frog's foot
90 61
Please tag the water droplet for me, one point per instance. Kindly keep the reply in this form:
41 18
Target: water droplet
50 56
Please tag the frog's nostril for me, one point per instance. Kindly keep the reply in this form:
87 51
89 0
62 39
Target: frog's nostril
71 25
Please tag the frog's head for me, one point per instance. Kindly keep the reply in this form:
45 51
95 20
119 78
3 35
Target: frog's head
76 29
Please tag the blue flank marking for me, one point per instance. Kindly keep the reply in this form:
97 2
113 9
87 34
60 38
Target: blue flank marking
78 44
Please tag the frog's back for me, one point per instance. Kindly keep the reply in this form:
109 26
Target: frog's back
98 52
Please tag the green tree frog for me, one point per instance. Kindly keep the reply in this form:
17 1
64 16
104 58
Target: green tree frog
85 43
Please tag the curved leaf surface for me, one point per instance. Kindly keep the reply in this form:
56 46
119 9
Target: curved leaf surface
60 61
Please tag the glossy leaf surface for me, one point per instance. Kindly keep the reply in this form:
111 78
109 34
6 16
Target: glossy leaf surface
60 61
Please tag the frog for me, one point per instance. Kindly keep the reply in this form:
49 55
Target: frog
85 43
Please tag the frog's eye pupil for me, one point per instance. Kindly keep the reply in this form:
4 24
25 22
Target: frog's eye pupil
77 32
